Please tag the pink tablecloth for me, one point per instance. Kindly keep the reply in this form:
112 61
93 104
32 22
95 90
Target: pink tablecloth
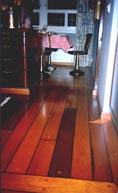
59 41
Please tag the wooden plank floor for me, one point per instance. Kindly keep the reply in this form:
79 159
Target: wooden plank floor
59 141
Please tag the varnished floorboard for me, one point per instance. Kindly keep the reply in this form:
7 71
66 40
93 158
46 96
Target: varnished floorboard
62 156
59 141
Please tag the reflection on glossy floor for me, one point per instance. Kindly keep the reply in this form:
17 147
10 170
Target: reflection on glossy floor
57 137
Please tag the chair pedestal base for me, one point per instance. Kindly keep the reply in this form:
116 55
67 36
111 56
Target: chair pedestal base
49 69
76 72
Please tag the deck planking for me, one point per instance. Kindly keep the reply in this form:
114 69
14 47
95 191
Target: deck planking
28 150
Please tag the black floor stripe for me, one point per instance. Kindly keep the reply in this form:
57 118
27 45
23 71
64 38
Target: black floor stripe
62 157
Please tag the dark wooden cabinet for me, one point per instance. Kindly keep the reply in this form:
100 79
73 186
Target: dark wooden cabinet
21 51
11 69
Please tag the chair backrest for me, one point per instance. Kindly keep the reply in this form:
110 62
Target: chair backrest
87 43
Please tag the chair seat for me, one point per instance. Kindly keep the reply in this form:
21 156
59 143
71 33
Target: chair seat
48 51
75 52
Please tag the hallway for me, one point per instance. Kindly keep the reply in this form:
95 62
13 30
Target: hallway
58 133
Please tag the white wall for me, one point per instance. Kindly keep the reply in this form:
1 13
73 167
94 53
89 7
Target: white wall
107 54
61 56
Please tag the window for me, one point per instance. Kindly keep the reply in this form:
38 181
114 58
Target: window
35 18
61 13
57 15
56 19
71 19
36 4
36 12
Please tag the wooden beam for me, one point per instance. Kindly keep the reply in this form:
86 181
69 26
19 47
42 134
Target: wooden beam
42 184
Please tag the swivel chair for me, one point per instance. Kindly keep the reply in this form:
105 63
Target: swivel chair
77 53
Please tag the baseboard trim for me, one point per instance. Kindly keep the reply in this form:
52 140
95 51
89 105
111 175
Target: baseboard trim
63 63
106 116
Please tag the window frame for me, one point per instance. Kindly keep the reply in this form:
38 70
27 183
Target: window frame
43 13
64 28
